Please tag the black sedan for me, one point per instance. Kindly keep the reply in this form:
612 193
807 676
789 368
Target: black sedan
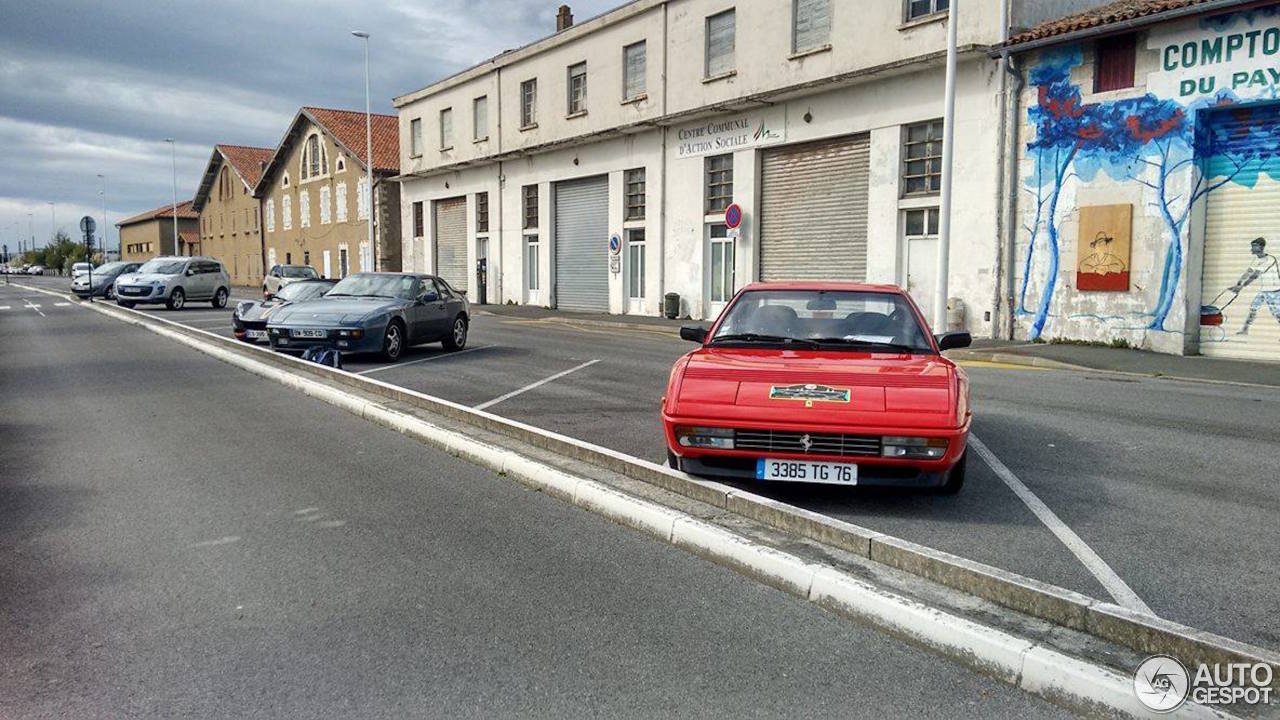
249 320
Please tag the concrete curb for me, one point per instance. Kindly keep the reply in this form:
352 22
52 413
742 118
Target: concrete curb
1047 364
590 322
987 649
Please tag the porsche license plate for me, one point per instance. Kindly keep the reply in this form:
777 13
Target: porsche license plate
812 471
308 333
256 334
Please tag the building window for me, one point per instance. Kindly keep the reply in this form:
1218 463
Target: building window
342 201
362 199
306 257
719 171
635 264
341 164
921 223
284 181
577 88
271 216
528 103
531 262
720 44
344 265
326 211
634 194
482 212
446 129
314 162
304 209
415 137
633 71
530 207
922 158
921 8
480 118
417 219
810 24
286 209
1114 63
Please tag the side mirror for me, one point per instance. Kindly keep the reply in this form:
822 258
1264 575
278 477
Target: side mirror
951 340
190 272
428 297
694 333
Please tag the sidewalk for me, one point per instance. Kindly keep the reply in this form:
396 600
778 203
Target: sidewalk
534 312
1135 362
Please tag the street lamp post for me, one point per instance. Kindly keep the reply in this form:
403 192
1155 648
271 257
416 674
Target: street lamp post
173 154
103 178
53 223
368 146
941 287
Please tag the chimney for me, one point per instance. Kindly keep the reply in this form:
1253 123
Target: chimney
564 18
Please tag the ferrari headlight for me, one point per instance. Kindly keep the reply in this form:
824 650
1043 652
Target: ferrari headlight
705 437
913 448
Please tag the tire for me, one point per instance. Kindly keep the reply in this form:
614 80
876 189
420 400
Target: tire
955 477
177 299
393 341
457 338
125 304
110 292
672 461
219 300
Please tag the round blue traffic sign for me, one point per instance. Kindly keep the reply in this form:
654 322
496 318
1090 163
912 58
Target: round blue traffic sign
615 244
733 216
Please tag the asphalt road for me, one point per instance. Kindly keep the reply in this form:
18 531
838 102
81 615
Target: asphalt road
1172 484
179 538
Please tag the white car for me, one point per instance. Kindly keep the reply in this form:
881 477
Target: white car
80 268
35 270
282 275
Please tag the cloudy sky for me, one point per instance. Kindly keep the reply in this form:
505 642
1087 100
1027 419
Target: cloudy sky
91 87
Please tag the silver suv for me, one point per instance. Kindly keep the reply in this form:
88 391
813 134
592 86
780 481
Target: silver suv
173 281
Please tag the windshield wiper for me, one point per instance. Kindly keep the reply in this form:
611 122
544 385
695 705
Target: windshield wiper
896 347
757 337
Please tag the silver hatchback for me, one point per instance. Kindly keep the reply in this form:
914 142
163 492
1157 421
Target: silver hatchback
173 281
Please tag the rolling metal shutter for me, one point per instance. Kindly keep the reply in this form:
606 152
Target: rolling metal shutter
582 245
1236 214
451 241
813 210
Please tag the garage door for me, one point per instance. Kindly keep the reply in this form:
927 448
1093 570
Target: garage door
582 245
1242 243
451 241
813 210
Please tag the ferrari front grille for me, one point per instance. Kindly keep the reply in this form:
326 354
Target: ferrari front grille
789 441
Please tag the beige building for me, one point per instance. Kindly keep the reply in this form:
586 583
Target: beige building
230 223
313 195
149 234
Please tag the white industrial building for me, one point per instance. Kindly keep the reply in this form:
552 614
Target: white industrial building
590 170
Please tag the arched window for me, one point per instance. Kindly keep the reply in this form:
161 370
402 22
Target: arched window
315 161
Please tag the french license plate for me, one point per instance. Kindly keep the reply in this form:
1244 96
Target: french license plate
831 473
256 334
306 333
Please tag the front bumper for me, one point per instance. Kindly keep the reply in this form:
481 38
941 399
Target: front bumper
873 469
282 339
141 293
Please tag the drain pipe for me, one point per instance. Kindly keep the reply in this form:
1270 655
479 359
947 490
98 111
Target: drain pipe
1010 100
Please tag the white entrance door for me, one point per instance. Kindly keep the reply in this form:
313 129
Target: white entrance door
720 282
328 264
921 235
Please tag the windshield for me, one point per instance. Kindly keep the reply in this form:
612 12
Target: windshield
81 266
162 267
827 318
372 285
107 267
294 292
297 272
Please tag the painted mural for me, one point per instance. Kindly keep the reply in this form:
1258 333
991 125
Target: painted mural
1160 144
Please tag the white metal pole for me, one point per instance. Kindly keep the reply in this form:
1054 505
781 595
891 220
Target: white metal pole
368 148
173 154
53 224
941 289
104 217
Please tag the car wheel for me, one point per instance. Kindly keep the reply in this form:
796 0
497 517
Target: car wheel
458 335
110 292
125 304
219 298
955 477
176 299
393 341
672 461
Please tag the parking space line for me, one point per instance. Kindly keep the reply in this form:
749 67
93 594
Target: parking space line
61 304
531 386
1118 588
393 366
4 307
34 307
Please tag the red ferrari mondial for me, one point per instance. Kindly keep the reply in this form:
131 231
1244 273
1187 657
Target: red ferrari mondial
820 382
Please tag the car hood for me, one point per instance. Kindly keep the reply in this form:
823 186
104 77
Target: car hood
258 310
818 387
135 278
328 311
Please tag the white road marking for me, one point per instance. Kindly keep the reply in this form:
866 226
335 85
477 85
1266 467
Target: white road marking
61 304
1118 588
224 540
4 307
531 386
393 366
34 307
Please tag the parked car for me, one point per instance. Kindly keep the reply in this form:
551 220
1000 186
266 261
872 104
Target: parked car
375 312
35 270
820 382
104 279
249 319
80 268
281 275
173 281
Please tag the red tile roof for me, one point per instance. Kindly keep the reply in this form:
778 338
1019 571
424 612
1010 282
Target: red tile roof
185 212
188 237
348 127
247 161
1116 12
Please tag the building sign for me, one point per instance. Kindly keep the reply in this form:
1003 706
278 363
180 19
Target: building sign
728 132
1239 53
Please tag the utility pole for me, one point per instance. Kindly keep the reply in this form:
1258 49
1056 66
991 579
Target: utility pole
173 153
368 146
941 286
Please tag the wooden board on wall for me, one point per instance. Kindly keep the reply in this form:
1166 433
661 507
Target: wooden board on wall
1103 247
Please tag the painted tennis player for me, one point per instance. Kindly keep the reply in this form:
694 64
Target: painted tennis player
1265 270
